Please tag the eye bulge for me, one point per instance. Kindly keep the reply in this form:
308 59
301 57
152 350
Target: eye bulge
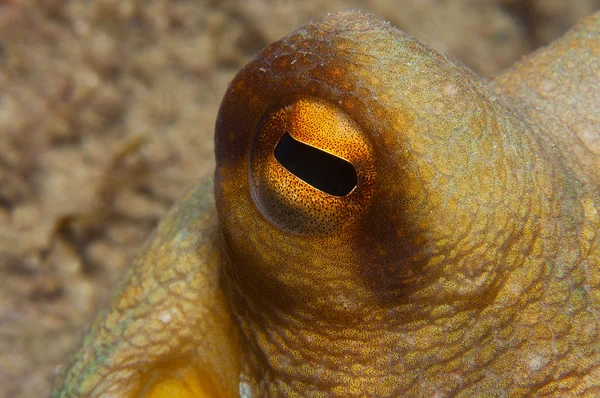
373 153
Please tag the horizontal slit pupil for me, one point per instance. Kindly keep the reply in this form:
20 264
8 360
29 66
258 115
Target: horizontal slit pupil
326 172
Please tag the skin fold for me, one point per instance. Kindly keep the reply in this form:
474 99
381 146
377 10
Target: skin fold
465 261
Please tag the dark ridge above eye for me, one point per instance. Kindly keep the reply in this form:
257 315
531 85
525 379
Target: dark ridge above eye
326 172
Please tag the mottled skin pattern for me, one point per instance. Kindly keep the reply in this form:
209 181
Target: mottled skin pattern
171 292
472 269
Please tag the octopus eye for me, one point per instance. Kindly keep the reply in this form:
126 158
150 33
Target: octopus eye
311 168
324 171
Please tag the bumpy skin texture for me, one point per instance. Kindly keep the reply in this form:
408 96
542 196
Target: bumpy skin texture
168 315
470 264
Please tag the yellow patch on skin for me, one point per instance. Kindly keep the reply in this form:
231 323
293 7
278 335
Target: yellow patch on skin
184 382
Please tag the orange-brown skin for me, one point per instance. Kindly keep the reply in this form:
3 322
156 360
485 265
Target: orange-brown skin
465 262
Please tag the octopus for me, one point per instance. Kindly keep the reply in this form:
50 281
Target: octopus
382 222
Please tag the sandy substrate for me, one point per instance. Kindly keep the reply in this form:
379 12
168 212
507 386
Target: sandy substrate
107 110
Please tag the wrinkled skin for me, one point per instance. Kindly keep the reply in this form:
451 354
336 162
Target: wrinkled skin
465 261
